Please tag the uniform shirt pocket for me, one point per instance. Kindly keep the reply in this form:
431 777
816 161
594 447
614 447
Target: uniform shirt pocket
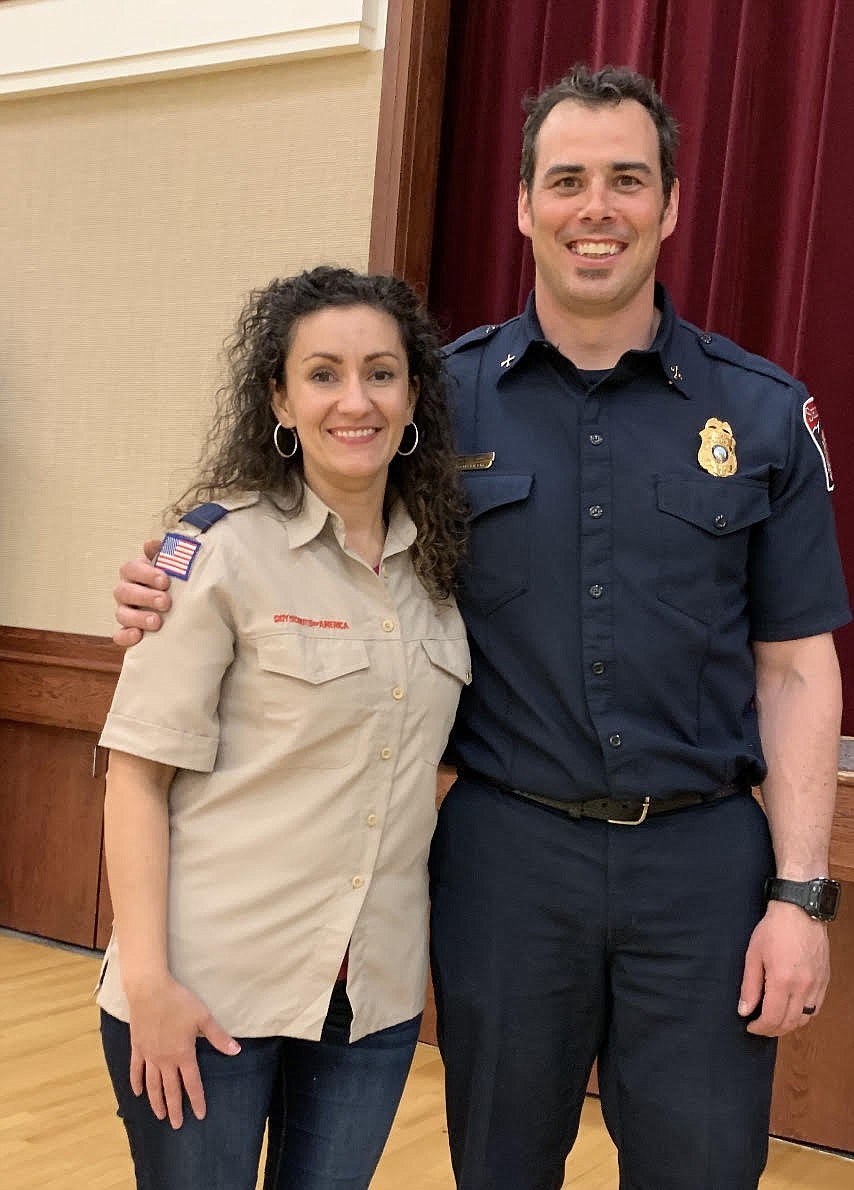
313 689
498 564
450 670
703 545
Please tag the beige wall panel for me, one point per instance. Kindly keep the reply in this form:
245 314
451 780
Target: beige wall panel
133 220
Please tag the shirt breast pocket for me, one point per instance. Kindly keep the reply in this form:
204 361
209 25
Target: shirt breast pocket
450 670
704 540
312 690
498 564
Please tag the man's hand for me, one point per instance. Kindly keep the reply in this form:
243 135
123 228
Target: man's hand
787 968
165 1021
140 595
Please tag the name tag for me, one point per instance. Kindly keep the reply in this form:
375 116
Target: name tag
475 462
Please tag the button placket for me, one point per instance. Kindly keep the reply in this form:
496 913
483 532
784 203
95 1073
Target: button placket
392 675
596 562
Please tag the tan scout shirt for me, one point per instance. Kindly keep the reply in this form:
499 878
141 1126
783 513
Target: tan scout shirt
305 701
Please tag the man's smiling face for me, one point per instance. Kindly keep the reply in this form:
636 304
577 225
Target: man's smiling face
595 212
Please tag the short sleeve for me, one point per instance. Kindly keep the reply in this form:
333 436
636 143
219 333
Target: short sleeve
165 706
796 583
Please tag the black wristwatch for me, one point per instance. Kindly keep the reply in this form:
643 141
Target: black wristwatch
819 897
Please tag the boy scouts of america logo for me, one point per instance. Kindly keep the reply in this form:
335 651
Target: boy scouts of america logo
717 448
813 425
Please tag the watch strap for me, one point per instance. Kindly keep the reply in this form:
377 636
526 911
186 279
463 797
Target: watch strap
809 895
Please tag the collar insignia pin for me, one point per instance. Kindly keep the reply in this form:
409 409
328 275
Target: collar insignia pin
675 373
505 363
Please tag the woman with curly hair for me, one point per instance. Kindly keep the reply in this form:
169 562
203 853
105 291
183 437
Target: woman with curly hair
271 788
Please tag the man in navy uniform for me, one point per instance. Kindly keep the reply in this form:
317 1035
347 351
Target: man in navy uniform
652 584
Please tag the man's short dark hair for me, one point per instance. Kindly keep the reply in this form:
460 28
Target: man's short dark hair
610 85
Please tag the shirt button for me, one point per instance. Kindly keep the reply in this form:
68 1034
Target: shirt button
357 881
384 570
596 439
388 625
615 740
371 820
597 590
596 511
467 678
385 754
598 667
720 521
397 693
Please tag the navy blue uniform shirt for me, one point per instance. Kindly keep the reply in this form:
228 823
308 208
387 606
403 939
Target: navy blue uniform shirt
615 581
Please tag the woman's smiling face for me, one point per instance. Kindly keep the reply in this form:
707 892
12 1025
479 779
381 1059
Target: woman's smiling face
347 394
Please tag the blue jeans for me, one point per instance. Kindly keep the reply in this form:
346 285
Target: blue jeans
329 1106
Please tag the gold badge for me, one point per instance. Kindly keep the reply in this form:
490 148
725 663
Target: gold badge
717 450
475 462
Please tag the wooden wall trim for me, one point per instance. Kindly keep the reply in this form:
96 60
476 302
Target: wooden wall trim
842 836
58 679
410 125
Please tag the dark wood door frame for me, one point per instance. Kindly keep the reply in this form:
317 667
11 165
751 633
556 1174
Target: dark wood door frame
410 125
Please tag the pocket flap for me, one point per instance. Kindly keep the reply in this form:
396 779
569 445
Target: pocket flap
450 655
312 659
486 491
719 506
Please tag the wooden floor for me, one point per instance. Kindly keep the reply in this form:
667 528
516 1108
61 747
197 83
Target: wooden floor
58 1128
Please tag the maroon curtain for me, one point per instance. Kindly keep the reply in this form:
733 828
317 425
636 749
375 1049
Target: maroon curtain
764 91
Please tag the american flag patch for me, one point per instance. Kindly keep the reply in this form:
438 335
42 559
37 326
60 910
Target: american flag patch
177 554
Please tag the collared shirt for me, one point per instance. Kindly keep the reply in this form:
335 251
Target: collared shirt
615 581
305 700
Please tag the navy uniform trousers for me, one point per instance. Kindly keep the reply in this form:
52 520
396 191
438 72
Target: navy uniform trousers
555 942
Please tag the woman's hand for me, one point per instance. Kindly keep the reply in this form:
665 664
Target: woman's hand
165 1020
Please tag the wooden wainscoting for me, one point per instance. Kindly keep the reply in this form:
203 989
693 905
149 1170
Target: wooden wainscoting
55 690
814 1079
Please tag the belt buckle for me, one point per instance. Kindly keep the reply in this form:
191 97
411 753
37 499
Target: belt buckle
632 821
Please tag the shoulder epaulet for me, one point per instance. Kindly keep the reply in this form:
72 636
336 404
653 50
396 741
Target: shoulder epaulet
479 335
205 515
178 551
719 347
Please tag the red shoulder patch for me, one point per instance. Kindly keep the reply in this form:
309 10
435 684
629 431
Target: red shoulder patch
815 431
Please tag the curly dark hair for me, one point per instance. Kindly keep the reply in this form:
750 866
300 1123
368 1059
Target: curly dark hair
239 454
610 85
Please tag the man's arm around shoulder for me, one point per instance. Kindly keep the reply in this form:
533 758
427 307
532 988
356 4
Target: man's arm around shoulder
142 592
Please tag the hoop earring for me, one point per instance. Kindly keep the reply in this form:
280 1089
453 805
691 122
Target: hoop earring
404 454
281 453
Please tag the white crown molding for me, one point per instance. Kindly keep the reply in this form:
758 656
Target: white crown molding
62 45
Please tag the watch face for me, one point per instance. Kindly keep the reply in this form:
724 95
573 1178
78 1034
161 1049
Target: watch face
825 896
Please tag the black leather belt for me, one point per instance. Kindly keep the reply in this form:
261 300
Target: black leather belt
617 810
